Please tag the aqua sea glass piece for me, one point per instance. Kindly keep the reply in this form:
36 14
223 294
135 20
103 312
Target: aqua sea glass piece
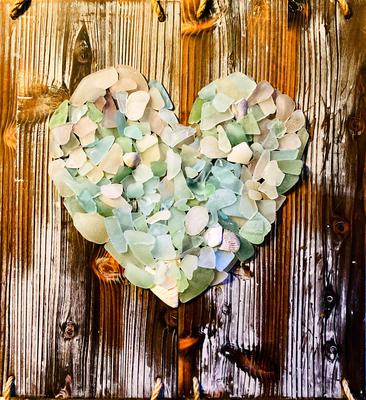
100 149
133 132
115 234
164 94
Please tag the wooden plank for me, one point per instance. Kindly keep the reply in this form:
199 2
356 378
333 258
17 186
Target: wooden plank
56 318
306 293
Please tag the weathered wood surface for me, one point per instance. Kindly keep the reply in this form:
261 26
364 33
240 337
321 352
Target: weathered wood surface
57 318
117 338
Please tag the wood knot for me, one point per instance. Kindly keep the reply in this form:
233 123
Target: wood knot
69 330
356 125
189 342
340 226
82 52
330 300
171 317
255 363
106 268
331 350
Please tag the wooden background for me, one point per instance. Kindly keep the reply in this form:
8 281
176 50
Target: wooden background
290 323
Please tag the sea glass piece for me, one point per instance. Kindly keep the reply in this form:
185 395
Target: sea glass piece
61 133
210 117
236 85
84 127
168 296
290 141
94 113
268 209
174 162
132 159
133 132
75 113
303 135
91 226
255 229
146 142
112 191
285 107
164 94
206 258
288 182
164 249
223 259
223 141
247 207
230 242
134 190
123 85
127 72
272 174
213 236
59 116
295 122
188 265
201 280
156 100
263 160
138 276
268 190
76 159
159 168
221 102
196 220
292 167
250 125
136 104
100 150
227 179
210 147
241 153
115 234
208 92
235 133
93 86
121 98
195 115
262 92
142 173
162 215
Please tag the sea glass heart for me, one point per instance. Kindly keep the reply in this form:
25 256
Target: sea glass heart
177 206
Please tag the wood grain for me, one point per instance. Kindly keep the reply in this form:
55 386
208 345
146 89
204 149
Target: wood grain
296 315
56 318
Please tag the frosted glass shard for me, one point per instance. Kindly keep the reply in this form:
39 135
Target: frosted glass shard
241 153
112 191
94 113
247 206
77 158
213 236
127 72
146 142
209 147
115 234
264 159
91 226
250 125
223 141
230 242
84 127
223 259
290 142
61 133
227 179
133 132
156 100
174 162
132 159
100 149
109 113
221 102
195 115
138 276
295 122
221 198
288 182
237 85
142 173
163 249
164 94
262 92
136 104
134 190
196 220
285 107
208 92
210 117
269 190
207 258
163 215
255 229
93 86
292 167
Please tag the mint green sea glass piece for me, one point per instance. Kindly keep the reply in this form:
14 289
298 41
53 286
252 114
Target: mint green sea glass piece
249 124
138 276
133 132
59 117
292 167
289 181
201 280
235 133
100 149
94 113
195 115
255 229
115 234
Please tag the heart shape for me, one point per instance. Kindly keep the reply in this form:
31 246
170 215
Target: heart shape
175 205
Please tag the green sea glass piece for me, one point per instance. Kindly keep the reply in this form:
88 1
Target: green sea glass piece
201 280
59 117
255 230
